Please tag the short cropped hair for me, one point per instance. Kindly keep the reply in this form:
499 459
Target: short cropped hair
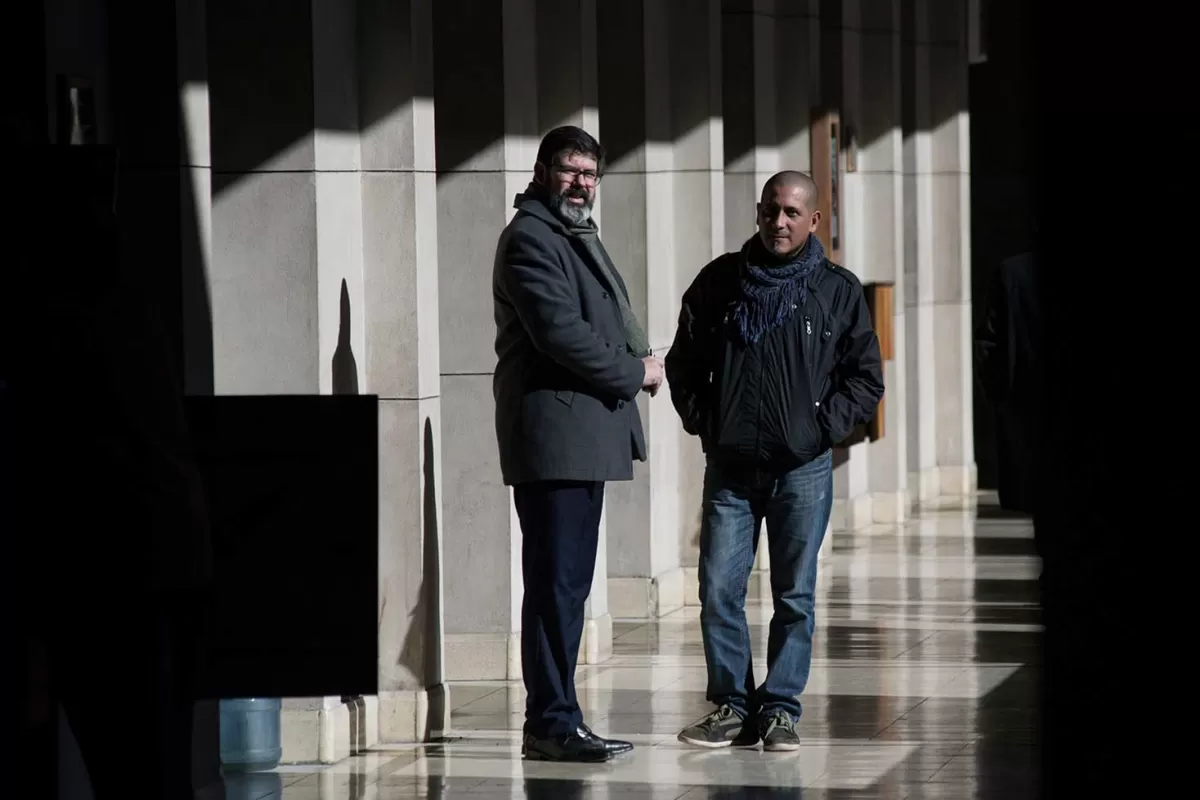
571 140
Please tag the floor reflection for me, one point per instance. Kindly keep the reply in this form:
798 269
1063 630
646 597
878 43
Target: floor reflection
924 685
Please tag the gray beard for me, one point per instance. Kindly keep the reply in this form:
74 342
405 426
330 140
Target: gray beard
576 215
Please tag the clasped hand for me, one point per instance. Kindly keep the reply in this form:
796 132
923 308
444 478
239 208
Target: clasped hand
655 374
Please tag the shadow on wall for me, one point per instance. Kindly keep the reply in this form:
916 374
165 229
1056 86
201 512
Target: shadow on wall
421 654
345 368
432 572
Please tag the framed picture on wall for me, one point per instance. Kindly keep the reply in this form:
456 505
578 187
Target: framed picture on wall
827 165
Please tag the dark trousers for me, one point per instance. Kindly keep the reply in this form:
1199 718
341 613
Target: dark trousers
560 525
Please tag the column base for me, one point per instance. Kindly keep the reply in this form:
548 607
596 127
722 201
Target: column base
924 486
647 598
483 656
325 730
852 514
958 480
597 644
890 508
943 481
415 715
497 656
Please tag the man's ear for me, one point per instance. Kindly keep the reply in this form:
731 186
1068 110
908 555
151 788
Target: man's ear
816 220
539 173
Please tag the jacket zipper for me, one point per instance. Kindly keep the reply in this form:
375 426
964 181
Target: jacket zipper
817 391
807 348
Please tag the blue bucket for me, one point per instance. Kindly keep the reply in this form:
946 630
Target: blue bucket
250 735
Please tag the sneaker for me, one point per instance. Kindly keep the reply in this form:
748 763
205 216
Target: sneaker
718 729
778 732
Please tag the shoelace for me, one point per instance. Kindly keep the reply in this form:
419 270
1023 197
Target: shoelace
720 715
775 721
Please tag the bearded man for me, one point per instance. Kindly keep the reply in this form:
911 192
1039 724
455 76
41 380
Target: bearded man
572 358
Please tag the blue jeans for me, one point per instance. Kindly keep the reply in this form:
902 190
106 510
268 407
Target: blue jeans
796 507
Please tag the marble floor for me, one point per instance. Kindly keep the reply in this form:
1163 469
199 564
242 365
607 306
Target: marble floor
923 686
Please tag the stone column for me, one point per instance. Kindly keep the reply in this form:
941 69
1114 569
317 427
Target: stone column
918 295
700 215
521 84
659 97
951 250
567 95
263 277
324 280
400 356
841 89
749 66
771 81
485 152
879 173
262 273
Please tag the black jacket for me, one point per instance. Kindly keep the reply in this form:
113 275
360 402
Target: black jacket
565 384
788 398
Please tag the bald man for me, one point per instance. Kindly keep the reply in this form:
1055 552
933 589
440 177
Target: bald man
774 362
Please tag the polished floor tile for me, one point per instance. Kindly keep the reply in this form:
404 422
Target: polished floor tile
923 685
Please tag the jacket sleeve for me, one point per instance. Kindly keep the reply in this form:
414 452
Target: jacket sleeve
549 310
687 362
858 373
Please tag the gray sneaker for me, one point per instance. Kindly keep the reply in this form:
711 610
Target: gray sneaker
778 732
718 729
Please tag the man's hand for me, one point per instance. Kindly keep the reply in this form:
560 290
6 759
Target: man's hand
655 374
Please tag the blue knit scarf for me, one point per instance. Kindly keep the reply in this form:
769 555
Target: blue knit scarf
772 290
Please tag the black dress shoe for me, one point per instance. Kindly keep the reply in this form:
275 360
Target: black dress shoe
615 747
571 747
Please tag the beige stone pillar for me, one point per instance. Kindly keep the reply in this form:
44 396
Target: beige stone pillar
486 151
879 166
660 106
401 355
951 201
568 95
937 185
919 341
841 89
263 290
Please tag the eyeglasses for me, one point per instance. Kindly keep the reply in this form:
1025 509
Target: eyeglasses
585 176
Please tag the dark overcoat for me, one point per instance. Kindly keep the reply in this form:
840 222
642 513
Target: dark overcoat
566 383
